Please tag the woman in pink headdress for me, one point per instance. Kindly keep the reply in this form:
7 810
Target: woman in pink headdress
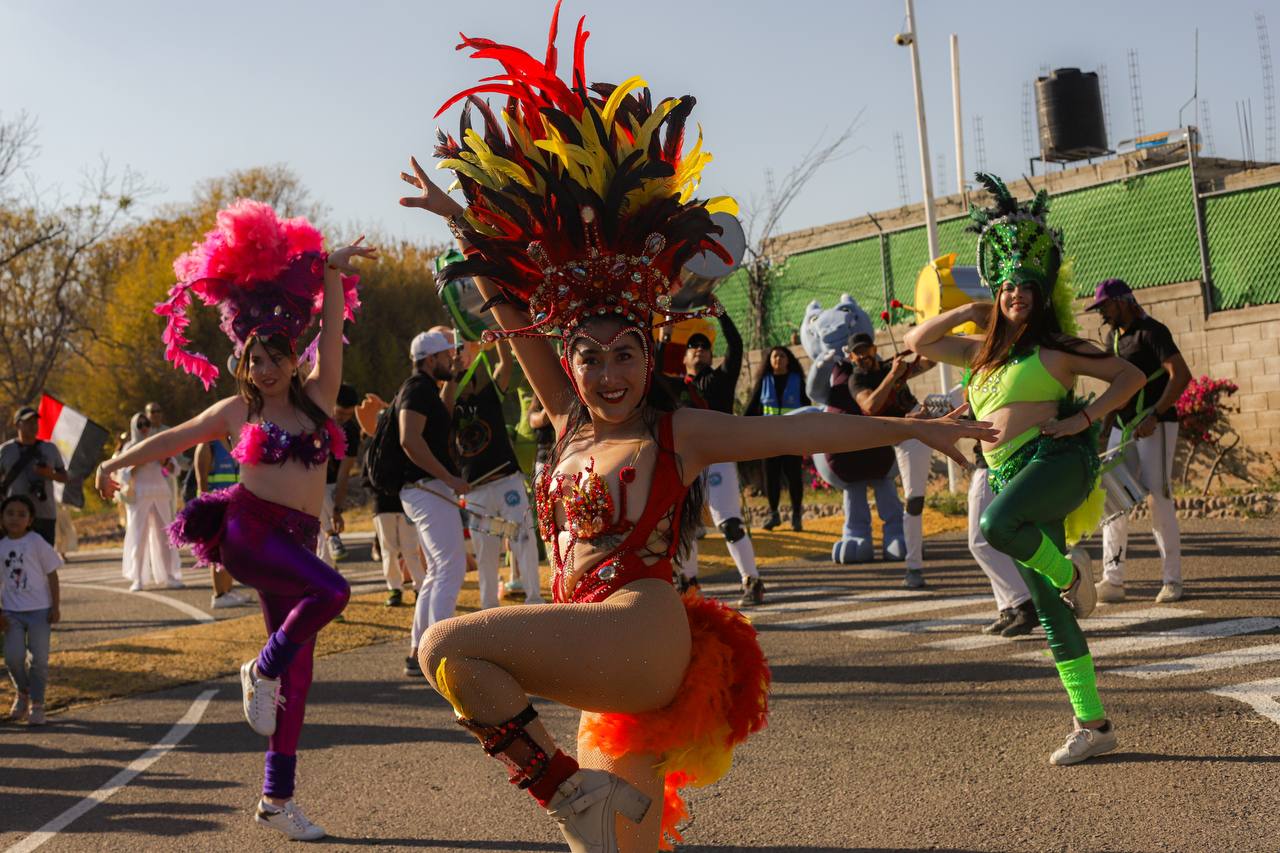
269 278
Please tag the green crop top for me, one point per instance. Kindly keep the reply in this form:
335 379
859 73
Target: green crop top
1023 379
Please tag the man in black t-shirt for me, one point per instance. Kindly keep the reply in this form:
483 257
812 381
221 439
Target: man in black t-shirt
707 387
1146 343
498 503
432 484
880 388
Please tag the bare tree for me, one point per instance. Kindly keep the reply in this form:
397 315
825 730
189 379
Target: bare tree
50 287
762 225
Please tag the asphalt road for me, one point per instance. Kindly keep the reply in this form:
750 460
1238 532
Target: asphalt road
894 726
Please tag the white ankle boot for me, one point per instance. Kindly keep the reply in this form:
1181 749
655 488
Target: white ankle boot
585 804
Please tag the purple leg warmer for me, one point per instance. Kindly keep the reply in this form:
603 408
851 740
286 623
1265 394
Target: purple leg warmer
276 654
278 775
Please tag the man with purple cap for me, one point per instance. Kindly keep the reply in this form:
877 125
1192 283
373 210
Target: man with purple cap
1146 343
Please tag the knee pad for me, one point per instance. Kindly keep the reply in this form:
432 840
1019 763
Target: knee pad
915 506
732 529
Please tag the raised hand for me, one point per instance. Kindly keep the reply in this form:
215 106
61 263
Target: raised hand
942 434
340 260
433 199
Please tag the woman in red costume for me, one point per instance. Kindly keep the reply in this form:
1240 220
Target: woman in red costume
579 218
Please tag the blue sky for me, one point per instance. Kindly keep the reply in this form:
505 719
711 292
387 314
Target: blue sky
344 92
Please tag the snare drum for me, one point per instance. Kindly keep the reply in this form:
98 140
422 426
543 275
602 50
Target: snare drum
1122 488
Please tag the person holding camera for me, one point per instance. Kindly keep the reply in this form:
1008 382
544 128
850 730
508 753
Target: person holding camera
29 466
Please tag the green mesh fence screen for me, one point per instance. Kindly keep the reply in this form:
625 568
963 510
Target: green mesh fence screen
1243 229
1141 229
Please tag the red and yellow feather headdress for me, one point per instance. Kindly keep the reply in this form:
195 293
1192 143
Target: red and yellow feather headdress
579 198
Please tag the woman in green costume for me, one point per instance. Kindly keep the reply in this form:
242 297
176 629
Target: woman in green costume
1020 375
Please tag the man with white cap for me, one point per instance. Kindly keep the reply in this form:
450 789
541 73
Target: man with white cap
432 484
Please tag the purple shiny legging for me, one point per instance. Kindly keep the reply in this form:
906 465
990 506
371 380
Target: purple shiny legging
272 549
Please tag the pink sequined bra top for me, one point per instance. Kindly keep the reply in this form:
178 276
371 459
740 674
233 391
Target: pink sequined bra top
266 443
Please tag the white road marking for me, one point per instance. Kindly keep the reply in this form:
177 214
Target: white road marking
1093 623
139 765
835 601
1203 663
1175 637
923 626
873 614
194 612
1261 695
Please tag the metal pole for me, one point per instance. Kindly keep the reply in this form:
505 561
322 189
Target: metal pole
930 213
1201 233
955 113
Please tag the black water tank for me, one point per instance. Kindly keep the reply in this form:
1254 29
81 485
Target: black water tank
1069 104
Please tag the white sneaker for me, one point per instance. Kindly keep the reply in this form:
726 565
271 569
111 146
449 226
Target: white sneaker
21 707
585 804
36 718
136 586
175 583
1108 592
261 696
1169 592
1081 596
288 820
229 599
1084 743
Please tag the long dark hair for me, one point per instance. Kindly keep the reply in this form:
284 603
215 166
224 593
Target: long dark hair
766 369
1003 341
657 402
278 348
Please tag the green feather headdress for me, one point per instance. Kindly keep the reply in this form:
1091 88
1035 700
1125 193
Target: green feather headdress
1015 244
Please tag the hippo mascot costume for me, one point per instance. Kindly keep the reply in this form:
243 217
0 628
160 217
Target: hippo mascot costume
824 333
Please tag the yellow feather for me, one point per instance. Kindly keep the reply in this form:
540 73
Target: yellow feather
477 174
723 204
650 126
615 98
492 163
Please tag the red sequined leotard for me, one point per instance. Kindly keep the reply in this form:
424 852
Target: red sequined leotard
589 514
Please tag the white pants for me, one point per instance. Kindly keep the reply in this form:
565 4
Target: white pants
724 500
504 499
149 556
1155 470
1007 584
397 538
914 460
433 511
323 551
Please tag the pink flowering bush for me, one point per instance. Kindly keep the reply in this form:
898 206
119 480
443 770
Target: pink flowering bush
1202 414
816 483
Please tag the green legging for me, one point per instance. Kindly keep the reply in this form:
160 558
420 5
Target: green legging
1025 521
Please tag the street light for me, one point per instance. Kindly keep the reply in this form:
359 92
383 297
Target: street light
907 39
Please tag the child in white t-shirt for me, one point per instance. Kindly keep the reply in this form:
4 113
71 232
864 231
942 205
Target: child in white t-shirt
29 599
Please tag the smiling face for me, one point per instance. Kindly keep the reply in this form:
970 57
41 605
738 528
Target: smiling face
609 366
1018 302
269 370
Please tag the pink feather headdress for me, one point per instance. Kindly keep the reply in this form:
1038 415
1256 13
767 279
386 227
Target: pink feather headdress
265 274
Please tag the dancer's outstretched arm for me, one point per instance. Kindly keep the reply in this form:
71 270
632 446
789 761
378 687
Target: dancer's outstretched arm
217 421
930 338
322 384
537 357
703 437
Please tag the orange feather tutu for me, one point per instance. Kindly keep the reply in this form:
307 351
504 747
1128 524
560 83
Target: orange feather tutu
723 699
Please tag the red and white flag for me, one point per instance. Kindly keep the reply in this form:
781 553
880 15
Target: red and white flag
78 439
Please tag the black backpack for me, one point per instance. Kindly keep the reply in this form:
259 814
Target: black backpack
385 461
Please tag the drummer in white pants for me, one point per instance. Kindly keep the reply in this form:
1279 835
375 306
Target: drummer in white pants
498 503
880 388
707 387
1146 343
430 498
